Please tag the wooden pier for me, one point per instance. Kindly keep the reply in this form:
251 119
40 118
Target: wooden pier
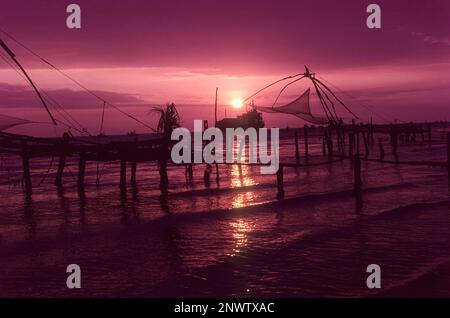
131 151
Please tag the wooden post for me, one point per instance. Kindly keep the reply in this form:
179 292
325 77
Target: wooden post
163 177
190 165
133 162
297 152
217 174
26 169
280 181
123 174
351 142
330 144
324 150
133 172
448 158
305 130
190 171
394 142
357 140
343 135
215 109
372 140
207 175
365 135
429 132
81 171
62 159
357 173
380 144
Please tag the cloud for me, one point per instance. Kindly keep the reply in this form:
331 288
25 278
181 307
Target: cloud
16 96
433 39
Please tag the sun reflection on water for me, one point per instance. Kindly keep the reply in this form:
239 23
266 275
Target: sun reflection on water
240 177
240 230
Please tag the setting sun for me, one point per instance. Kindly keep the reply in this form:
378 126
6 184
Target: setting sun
237 103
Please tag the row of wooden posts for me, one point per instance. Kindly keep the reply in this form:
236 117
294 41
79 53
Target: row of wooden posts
354 132
406 135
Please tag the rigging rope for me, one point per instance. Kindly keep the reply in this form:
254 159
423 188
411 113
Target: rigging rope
13 57
370 109
48 99
74 80
103 117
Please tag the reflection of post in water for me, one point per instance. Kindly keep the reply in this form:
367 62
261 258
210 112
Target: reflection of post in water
170 238
357 183
28 215
279 216
241 178
207 175
124 206
82 207
163 201
134 203
189 175
65 207
359 202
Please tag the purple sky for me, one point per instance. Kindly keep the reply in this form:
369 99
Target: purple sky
151 52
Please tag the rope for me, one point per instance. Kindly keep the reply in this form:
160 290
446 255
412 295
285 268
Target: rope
103 117
359 102
72 79
51 101
271 84
48 171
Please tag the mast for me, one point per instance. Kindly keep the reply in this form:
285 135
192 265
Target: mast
13 57
215 109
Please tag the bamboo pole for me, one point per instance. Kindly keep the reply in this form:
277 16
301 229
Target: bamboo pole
357 140
163 177
133 173
365 136
26 169
330 143
372 139
429 132
81 171
62 159
215 109
305 130
134 163
351 142
280 183
123 174
448 158
207 175
380 144
357 173
297 152
217 174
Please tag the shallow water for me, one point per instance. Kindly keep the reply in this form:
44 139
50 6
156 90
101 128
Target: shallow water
231 239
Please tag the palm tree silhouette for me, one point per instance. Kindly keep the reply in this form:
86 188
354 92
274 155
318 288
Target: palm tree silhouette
169 119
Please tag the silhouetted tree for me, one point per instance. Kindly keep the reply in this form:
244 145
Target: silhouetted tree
169 119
